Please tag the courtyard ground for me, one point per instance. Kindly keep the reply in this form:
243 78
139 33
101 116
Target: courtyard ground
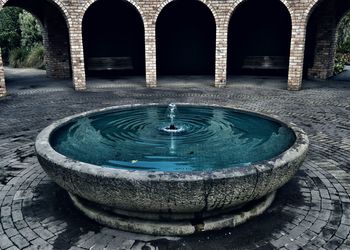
312 211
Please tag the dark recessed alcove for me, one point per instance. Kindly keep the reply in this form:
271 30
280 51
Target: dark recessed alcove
114 29
258 30
186 39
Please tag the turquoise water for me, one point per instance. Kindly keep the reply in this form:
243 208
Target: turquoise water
209 138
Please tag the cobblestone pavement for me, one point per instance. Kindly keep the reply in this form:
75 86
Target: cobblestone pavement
312 211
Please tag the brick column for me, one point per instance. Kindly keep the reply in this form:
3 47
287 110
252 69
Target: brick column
150 56
2 73
77 54
2 77
326 40
297 47
56 43
221 54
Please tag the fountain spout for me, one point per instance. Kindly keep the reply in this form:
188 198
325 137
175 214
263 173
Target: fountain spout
171 115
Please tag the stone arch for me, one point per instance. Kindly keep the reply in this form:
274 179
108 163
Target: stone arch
166 2
240 2
322 23
312 6
341 17
57 3
56 42
88 4
310 9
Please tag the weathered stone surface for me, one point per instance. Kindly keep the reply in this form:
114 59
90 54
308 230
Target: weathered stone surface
168 195
299 218
174 227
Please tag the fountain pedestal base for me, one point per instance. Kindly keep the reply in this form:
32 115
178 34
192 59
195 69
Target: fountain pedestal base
173 228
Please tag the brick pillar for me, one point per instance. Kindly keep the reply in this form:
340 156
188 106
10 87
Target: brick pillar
326 40
2 78
297 47
2 73
56 43
150 56
77 54
221 54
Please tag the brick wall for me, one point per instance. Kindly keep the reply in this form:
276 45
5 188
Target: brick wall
2 74
2 79
56 43
323 44
300 11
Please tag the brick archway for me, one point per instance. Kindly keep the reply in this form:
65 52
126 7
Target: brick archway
57 52
311 7
323 18
88 3
234 7
73 12
57 3
165 3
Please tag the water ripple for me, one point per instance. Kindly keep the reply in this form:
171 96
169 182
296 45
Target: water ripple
208 138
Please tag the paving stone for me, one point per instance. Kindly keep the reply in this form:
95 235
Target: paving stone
11 232
40 243
17 215
28 233
43 233
5 211
13 248
334 243
343 247
20 224
102 242
312 211
115 243
7 222
318 226
19 241
5 242
33 247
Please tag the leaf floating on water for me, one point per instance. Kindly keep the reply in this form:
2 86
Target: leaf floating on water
134 161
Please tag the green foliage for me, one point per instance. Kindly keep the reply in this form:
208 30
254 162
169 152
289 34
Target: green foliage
21 39
35 58
30 30
18 57
339 64
10 33
343 45
347 58
344 48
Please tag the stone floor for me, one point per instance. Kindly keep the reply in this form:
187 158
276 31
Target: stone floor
312 211
343 76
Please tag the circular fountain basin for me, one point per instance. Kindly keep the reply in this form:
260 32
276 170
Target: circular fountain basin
123 167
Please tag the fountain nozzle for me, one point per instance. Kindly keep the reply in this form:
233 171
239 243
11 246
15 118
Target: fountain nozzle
172 127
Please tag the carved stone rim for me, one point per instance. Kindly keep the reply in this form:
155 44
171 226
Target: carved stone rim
45 150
